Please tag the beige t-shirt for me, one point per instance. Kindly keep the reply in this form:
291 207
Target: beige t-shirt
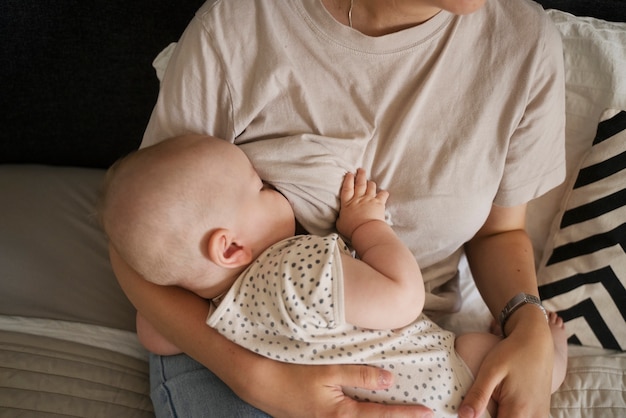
450 116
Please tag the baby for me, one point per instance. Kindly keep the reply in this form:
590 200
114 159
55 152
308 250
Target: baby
191 211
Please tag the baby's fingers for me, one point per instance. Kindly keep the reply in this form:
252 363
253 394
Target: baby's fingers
347 188
361 185
382 196
357 185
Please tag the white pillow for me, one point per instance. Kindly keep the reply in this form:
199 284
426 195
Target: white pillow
583 272
595 79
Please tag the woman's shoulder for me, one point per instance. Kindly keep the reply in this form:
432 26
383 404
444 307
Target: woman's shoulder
522 11
519 17
239 14
239 29
518 26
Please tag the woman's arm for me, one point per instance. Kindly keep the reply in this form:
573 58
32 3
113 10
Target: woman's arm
280 389
384 288
516 372
152 340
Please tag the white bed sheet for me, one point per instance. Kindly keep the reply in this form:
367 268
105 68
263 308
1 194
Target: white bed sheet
120 341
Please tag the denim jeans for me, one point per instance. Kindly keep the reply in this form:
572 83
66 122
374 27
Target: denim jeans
183 388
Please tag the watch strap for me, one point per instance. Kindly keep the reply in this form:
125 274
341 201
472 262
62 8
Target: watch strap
517 302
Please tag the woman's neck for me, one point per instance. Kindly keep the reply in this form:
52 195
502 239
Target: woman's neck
377 18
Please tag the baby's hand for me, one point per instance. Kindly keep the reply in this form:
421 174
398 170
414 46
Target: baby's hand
360 203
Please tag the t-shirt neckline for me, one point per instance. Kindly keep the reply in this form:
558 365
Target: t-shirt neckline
325 26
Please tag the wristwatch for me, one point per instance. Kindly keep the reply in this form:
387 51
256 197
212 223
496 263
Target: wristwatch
515 303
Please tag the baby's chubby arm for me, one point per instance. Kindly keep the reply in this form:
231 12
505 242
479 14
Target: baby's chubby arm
383 289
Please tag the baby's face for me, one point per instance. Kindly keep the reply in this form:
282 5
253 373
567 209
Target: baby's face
262 211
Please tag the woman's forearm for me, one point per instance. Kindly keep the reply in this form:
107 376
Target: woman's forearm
503 266
502 263
501 257
180 317
152 339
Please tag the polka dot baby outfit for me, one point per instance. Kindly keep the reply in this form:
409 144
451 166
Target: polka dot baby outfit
288 306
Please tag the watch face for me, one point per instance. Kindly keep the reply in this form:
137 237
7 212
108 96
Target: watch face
517 301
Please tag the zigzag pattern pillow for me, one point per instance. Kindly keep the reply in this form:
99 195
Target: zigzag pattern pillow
583 275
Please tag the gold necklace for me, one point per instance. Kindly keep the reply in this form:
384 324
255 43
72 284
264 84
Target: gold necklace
350 12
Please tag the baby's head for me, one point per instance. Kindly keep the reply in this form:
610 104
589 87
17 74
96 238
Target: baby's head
165 209
157 203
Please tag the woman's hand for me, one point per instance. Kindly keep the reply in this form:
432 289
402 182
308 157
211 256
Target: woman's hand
517 373
291 390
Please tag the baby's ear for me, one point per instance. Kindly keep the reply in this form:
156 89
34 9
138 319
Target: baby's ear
225 251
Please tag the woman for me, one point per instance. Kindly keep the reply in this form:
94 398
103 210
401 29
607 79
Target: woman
454 106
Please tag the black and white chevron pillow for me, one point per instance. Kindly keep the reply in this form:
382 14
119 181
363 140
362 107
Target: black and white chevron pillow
583 275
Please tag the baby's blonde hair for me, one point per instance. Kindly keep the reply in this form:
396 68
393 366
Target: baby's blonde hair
156 210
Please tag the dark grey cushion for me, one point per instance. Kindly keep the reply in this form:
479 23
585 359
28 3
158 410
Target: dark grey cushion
77 83
613 10
53 255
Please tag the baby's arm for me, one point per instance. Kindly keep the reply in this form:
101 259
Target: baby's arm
383 289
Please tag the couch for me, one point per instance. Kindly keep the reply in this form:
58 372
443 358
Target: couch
77 89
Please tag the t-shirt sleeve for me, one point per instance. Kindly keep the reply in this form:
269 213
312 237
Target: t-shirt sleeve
294 289
194 93
536 156
312 291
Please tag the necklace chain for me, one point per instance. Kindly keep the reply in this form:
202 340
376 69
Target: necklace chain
350 12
